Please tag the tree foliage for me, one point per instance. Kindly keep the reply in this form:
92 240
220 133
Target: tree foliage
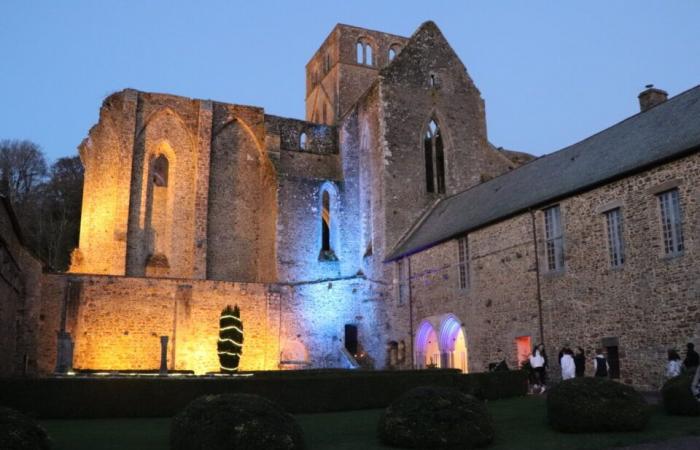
47 200
230 344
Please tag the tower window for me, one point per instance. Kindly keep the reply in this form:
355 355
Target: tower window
160 171
327 63
364 52
324 114
434 159
302 141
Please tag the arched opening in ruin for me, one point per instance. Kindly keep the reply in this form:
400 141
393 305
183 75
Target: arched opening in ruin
427 348
453 344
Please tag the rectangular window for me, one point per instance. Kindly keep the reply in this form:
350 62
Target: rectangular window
402 267
554 245
671 222
613 219
463 266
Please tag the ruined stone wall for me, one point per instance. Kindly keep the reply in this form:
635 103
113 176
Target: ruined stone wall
427 81
116 322
242 198
20 272
648 306
106 155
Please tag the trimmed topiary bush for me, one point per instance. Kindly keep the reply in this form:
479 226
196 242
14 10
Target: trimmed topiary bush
583 405
234 422
19 432
436 417
678 398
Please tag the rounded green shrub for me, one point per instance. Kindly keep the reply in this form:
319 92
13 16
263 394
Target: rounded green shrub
582 405
678 398
234 422
436 417
19 432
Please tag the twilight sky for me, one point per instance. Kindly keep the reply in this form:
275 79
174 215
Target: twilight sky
551 72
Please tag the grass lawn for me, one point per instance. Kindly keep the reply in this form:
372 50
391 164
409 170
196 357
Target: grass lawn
520 424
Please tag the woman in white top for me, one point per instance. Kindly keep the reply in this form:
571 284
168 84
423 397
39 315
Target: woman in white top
673 366
538 362
568 367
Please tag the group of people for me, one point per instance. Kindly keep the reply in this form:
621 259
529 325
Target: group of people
573 364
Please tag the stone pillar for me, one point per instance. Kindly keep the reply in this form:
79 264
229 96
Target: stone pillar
164 355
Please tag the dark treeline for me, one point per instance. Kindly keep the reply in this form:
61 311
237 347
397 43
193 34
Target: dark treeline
45 198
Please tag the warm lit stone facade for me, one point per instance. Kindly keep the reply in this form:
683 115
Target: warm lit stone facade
317 230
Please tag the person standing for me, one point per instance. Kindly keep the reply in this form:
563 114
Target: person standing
568 366
692 359
600 364
580 362
673 366
538 362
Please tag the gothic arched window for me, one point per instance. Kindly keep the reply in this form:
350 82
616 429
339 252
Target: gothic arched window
160 171
302 141
434 159
326 222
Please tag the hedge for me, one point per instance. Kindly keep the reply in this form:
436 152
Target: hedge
678 398
295 391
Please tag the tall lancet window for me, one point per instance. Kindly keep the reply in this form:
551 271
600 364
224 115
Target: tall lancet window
326 223
434 159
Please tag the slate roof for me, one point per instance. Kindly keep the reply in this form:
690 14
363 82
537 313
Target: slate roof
664 132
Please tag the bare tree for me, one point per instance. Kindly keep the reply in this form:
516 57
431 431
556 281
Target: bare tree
23 168
47 202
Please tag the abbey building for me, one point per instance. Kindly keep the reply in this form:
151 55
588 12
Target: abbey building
385 230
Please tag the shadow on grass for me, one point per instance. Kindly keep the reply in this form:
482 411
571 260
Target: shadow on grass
520 424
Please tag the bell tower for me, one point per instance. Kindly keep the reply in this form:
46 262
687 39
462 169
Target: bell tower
344 67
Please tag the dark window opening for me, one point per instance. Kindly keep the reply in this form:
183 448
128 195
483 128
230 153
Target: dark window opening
613 361
160 171
326 223
434 159
351 339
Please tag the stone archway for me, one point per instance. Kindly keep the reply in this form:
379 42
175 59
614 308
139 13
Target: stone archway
427 347
453 344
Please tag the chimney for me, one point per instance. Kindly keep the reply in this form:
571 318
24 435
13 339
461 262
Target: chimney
651 97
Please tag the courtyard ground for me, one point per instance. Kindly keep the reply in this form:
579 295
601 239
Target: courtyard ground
520 424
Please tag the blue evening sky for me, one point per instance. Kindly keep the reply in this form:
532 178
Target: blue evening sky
551 72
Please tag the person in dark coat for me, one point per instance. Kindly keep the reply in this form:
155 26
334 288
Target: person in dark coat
601 368
580 361
692 359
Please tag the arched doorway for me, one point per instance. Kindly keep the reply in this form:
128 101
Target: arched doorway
453 344
427 347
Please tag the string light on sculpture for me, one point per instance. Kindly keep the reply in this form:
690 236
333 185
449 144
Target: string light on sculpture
230 344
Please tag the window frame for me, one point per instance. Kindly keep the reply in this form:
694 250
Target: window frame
614 227
553 239
672 236
463 278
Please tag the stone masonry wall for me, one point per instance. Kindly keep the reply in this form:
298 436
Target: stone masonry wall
649 305
19 298
116 322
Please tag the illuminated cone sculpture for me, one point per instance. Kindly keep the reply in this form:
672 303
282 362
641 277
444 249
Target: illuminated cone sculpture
230 345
